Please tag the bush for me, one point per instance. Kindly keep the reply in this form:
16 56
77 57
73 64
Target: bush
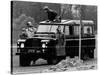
19 23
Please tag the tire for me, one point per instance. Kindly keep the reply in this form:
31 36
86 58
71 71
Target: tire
91 55
52 61
85 57
49 61
24 60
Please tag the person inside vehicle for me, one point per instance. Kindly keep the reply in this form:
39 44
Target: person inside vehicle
51 13
30 30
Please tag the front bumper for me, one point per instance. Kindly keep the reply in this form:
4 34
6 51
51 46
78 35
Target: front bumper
32 51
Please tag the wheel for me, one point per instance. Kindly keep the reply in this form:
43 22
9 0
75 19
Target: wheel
52 61
85 57
24 60
49 61
91 54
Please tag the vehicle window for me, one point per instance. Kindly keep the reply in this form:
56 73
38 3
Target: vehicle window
76 30
66 30
53 28
49 28
62 27
72 30
43 28
87 30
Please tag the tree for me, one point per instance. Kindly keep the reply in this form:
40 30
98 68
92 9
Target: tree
66 11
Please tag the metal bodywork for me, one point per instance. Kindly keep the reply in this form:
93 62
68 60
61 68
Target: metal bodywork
45 44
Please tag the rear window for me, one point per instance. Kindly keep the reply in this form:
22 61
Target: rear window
87 30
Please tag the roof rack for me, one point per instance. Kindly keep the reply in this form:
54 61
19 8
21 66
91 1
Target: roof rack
67 22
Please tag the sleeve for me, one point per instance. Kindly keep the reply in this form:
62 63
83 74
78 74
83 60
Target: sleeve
55 13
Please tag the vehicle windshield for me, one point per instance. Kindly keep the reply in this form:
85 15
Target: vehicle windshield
48 28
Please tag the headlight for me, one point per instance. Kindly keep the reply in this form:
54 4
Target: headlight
22 45
43 45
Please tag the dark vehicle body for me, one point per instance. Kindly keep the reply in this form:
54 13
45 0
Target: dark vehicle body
46 45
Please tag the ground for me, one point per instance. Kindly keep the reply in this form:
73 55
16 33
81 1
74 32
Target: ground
37 68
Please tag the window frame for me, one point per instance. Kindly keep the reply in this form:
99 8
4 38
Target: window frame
92 30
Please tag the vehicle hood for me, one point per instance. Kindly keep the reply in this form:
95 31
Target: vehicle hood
44 38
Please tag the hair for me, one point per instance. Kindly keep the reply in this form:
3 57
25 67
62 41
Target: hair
46 8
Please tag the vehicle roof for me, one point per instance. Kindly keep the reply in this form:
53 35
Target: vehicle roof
68 22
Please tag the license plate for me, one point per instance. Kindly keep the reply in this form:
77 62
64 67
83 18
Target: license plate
38 51
31 51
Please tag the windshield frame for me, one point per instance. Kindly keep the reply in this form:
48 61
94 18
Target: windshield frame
52 28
